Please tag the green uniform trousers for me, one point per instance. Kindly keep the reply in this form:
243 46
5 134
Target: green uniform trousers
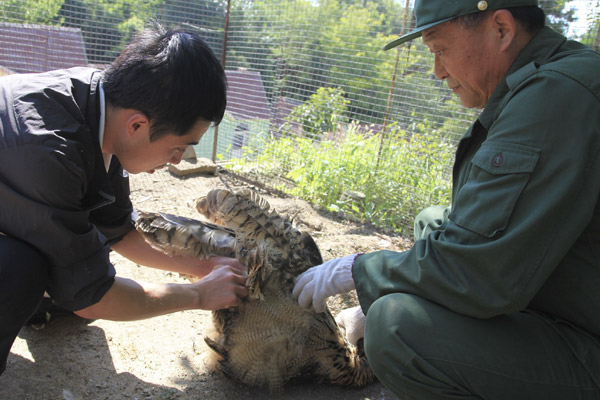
421 350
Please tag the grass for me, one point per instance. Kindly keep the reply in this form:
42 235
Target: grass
383 182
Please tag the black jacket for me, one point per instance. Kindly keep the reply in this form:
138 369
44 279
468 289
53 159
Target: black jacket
55 193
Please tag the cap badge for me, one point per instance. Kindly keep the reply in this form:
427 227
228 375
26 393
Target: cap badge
482 5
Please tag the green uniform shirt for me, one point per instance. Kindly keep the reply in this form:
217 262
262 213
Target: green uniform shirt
524 230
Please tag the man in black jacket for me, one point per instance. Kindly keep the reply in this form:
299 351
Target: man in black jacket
68 140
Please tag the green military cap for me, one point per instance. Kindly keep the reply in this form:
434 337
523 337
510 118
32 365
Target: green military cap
430 13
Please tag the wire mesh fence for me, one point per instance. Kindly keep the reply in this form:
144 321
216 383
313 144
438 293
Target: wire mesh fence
315 106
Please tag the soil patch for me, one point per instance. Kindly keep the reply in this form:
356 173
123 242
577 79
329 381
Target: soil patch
163 357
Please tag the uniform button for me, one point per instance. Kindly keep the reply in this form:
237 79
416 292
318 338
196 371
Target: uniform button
497 160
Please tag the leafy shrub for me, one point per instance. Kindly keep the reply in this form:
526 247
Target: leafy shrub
411 174
321 113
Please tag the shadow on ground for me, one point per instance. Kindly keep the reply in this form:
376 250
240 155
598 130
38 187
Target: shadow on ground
70 359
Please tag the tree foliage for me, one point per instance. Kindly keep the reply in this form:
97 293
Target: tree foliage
558 16
30 11
322 114
107 25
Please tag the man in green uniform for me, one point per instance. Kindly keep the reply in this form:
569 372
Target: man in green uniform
499 298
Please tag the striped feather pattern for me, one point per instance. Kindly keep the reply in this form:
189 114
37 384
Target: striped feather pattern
269 339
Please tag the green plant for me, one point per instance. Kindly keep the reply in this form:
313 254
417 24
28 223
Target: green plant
412 174
322 113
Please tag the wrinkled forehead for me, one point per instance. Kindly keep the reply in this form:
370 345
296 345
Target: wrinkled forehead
437 33
430 34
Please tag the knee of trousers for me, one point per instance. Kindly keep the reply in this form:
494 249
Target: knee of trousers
23 275
23 279
398 328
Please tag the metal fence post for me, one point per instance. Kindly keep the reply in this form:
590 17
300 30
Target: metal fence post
223 59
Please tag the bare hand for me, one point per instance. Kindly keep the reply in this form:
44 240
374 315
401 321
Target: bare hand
224 287
217 261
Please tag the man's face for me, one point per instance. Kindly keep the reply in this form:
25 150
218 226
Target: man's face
147 156
467 59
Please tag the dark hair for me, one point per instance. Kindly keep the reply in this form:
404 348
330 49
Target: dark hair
171 76
531 18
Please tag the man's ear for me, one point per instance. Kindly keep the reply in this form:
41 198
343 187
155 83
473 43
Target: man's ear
505 27
137 123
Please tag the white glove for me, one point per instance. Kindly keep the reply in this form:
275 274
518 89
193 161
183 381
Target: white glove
353 321
318 283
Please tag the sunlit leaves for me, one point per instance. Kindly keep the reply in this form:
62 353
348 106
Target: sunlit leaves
30 11
413 174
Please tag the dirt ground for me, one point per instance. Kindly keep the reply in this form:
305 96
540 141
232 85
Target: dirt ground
163 358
